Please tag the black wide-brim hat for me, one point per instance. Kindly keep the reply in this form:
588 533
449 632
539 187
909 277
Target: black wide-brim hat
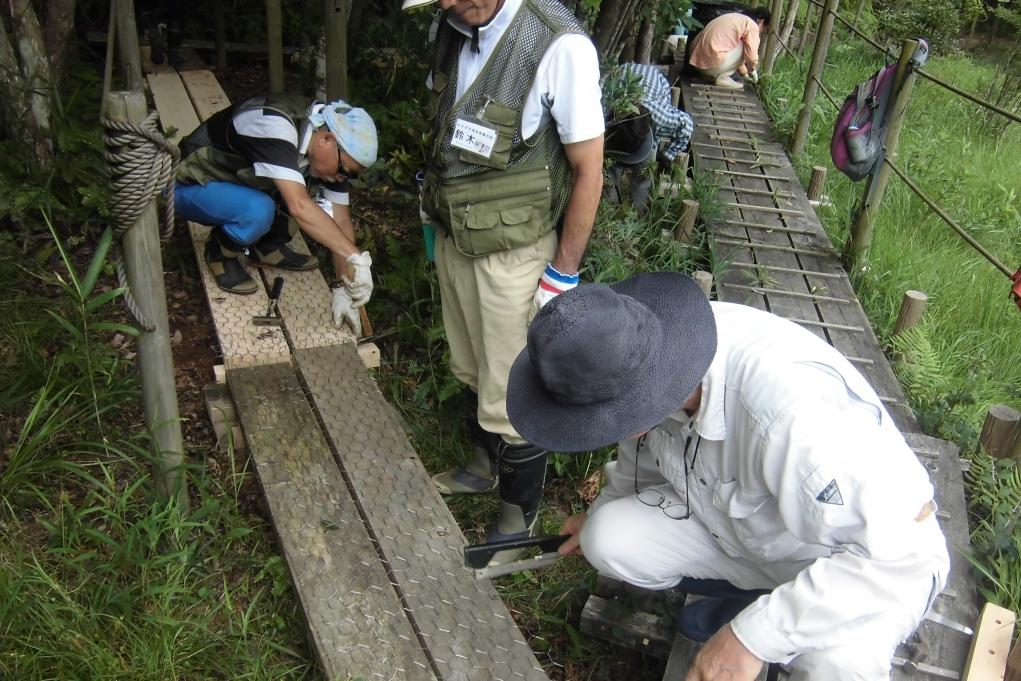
603 363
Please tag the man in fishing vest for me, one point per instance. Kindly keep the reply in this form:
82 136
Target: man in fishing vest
249 168
513 179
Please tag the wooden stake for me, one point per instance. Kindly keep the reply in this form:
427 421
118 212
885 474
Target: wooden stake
817 183
705 282
912 307
275 45
681 164
822 46
987 658
143 263
1000 431
686 225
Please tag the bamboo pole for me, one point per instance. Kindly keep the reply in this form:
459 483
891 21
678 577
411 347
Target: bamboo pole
221 38
127 45
773 37
806 28
1000 431
912 307
143 262
822 44
686 224
790 15
336 48
817 183
275 45
875 188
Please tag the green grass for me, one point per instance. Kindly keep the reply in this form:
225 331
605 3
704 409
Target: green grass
98 579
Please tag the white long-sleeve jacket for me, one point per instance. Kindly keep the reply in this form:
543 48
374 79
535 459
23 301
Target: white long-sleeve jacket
801 472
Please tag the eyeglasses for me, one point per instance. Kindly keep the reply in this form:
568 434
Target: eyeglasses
341 170
651 496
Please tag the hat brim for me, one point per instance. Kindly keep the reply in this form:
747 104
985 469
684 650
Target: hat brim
412 4
673 373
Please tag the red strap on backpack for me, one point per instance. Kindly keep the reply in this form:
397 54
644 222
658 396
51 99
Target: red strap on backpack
1015 291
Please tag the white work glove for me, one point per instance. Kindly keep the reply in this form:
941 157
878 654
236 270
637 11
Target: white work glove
360 287
754 76
552 284
344 310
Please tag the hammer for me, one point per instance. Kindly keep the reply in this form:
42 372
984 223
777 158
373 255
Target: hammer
272 316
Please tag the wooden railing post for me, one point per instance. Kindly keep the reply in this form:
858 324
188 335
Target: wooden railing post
221 37
143 263
816 184
686 224
872 197
775 9
275 45
705 282
912 307
127 44
1001 432
822 45
336 14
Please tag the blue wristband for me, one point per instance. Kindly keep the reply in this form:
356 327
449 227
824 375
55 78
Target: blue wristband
559 277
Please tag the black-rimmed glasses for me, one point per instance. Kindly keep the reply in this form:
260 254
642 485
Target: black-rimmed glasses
651 496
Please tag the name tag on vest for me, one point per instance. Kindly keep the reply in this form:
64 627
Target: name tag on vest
474 137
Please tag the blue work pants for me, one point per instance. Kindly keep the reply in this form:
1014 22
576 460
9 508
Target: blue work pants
245 214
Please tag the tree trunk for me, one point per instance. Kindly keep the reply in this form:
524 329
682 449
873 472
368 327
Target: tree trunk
59 25
606 23
35 81
788 28
335 23
646 36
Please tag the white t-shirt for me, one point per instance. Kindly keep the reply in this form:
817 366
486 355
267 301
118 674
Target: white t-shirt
566 85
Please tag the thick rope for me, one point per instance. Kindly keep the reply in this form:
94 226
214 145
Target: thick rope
142 164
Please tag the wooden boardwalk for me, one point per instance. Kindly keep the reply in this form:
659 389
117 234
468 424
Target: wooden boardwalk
772 253
374 554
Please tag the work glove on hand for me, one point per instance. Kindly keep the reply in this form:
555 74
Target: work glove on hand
344 310
360 287
552 284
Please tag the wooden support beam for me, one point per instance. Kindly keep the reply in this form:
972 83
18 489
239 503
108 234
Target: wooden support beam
731 128
758 192
754 176
685 229
769 228
739 150
1000 432
748 162
613 621
817 183
912 306
830 325
735 119
792 294
771 247
705 282
765 209
987 659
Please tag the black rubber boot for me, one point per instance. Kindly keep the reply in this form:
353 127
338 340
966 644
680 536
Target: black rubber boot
223 256
273 249
480 473
522 478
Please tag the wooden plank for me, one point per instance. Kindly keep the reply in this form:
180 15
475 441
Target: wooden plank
615 621
356 618
177 115
987 659
205 92
468 629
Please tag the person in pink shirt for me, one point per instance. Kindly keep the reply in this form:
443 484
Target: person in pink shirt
730 43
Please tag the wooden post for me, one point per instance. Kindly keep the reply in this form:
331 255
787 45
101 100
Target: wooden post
143 262
987 658
806 28
127 44
817 183
705 282
336 48
275 45
1000 431
872 197
790 15
681 165
912 307
775 9
686 225
221 38
822 45
675 96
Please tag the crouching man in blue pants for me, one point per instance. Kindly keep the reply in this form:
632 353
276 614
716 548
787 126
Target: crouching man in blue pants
249 168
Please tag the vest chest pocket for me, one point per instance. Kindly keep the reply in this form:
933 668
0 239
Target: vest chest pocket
505 120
